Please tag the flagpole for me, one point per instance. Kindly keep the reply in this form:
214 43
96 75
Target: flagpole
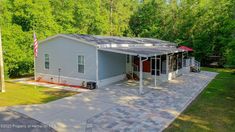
34 57
2 83
34 64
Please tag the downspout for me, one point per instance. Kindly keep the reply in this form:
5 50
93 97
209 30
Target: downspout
141 74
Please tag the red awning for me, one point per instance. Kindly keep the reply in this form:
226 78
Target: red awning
185 48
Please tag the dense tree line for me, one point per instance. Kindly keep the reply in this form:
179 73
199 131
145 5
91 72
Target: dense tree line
205 25
20 18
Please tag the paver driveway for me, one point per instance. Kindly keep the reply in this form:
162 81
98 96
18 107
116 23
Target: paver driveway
117 107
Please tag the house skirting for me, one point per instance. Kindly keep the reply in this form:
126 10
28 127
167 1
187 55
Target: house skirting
61 79
110 80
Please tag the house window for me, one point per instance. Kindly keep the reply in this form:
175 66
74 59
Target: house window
47 64
81 64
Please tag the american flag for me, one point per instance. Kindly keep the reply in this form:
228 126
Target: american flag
35 45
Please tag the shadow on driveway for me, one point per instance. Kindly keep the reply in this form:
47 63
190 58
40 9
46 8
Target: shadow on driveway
11 121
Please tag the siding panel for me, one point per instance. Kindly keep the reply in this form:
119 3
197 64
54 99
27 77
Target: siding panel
111 64
63 54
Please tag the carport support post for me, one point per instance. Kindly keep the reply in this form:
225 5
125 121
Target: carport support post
141 76
155 74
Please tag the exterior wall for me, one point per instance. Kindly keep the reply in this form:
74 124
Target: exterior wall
112 67
63 54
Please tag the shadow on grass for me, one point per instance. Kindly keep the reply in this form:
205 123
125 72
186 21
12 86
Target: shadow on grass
58 94
214 108
21 94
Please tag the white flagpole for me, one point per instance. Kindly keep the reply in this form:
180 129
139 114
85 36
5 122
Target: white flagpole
34 57
34 64
2 83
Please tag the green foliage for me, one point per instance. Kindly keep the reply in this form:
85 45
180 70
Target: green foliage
205 25
17 51
20 18
213 110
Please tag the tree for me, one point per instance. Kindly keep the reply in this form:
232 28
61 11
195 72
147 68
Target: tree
205 25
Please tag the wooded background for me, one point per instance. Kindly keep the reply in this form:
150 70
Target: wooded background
208 26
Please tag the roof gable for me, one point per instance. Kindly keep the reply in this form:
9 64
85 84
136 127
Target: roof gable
67 37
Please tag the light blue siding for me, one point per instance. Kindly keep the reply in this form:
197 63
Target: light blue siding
111 64
63 54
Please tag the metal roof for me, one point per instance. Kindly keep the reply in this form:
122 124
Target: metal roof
143 51
136 46
100 40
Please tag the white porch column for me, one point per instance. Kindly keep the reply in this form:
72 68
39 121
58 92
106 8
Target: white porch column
155 76
141 74
141 77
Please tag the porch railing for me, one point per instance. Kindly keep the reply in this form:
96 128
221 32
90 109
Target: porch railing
191 62
197 65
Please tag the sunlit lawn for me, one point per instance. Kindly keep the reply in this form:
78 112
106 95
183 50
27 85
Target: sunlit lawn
19 94
214 108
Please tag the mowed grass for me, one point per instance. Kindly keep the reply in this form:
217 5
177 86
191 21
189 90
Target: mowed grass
214 108
20 94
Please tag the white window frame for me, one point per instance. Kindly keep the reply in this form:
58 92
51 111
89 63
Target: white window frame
46 61
81 64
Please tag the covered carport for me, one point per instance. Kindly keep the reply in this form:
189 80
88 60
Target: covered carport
143 53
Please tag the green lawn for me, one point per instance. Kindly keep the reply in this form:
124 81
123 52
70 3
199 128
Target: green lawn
20 94
214 108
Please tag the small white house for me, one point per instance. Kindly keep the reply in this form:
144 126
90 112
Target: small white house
74 59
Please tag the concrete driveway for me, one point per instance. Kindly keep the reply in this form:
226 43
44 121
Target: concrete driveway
118 107
11 121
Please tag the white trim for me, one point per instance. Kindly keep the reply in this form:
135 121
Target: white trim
148 45
113 45
122 52
71 38
110 80
155 74
124 45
